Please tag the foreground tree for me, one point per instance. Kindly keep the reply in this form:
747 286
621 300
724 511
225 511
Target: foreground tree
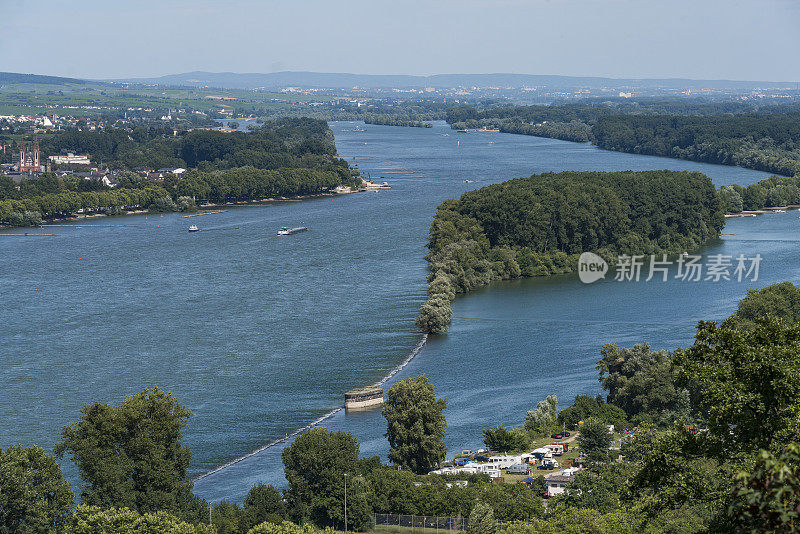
132 455
643 383
263 504
749 382
481 520
779 300
33 494
594 440
416 425
95 520
315 466
767 499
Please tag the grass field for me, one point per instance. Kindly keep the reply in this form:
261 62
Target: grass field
92 99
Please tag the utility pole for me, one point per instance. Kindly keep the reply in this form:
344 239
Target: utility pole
345 502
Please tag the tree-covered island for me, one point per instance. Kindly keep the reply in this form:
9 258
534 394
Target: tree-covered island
538 226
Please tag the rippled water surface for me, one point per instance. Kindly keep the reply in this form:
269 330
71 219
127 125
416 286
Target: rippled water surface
260 335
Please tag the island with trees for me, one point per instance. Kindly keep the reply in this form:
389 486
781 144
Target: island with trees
538 226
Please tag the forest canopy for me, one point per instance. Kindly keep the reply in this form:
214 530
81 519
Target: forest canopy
766 139
538 226
287 157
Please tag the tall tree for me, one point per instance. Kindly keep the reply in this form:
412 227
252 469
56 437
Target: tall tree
543 417
749 382
315 466
416 425
34 497
594 440
132 455
767 499
642 382
481 520
263 503
780 300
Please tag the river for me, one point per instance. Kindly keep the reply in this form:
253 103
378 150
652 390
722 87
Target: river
260 335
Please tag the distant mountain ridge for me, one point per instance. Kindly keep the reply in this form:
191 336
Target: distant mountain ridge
333 80
340 80
14 77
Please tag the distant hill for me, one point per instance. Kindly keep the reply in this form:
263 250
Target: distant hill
14 77
277 80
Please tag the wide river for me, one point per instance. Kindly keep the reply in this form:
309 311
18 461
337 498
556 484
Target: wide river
260 335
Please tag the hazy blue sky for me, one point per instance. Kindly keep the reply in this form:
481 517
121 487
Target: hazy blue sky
733 39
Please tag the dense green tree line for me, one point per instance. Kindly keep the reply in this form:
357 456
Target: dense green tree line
744 135
249 183
539 225
772 192
762 141
394 120
714 430
30 211
281 143
288 157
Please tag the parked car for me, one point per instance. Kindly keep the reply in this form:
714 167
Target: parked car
557 435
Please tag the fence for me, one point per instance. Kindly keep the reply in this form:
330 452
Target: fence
418 523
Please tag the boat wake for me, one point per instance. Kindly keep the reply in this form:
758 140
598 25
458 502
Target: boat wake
317 421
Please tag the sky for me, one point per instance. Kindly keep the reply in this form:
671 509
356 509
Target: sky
701 39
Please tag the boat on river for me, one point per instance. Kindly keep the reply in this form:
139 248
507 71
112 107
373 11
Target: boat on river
194 228
285 230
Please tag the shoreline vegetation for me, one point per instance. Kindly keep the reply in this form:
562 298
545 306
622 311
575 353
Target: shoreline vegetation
201 209
538 226
701 439
765 139
284 158
393 120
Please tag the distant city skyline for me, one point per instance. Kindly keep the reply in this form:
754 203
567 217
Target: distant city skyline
700 39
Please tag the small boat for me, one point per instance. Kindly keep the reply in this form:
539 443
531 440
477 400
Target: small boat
468 181
462 131
372 186
357 129
194 228
780 211
285 230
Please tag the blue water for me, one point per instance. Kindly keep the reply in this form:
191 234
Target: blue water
260 335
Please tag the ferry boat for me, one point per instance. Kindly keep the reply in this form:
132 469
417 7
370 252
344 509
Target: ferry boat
285 230
194 228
